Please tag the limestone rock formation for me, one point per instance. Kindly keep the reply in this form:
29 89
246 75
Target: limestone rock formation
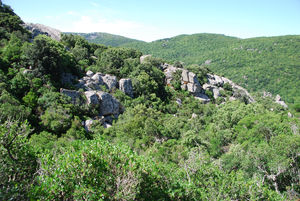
110 81
37 29
88 124
125 85
92 98
280 101
108 104
215 83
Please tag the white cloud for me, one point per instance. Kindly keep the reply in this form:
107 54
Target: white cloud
97 23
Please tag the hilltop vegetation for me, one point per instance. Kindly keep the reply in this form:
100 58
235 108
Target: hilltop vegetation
268 63
165 144
105 38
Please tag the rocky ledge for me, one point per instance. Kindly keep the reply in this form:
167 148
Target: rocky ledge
96 88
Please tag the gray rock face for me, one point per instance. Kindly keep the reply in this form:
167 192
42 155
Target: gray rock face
142 58
74 95
108 104
215 80
125 85
194 88
214 89
185 75
89 73
238 90
96 81
279 101
193 78
88 125
97 78
110 81
37 29
92 98
189 80
203 98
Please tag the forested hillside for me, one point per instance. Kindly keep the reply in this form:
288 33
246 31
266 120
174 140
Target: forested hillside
267 63
83 121
105 38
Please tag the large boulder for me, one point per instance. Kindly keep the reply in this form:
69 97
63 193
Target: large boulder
108 104
89 73
193 78
88 125
279 101
92 98
169 73
143 58
194 88
74 95
97 78
185 76
91 85
203 98
214 89
110 81
215 80
125 85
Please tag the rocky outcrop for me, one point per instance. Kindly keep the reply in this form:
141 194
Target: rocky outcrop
88 124
279 101
97 81
92 98
37 29
215 83
74 95
144 58
110 81
125 85
108 104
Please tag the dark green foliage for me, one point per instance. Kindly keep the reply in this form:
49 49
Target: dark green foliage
112 60
9 22
17 160
11 108
47 56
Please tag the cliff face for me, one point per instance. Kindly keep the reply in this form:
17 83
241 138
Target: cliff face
37 29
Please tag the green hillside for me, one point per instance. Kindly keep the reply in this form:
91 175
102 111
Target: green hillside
84 121
266 63
105 38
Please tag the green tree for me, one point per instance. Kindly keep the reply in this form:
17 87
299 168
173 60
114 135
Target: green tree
17 160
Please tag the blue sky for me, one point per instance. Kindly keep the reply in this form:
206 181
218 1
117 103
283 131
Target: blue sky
156 19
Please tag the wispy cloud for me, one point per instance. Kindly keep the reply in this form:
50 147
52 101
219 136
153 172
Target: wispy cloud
94 4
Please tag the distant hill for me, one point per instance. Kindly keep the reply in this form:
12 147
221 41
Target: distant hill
105 38
266 63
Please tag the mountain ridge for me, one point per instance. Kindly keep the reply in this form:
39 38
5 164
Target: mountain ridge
257 64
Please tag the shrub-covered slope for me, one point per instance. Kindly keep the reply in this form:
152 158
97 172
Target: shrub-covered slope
267 63
163 145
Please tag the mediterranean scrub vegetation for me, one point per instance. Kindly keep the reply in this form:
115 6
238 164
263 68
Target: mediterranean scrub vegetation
159 148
